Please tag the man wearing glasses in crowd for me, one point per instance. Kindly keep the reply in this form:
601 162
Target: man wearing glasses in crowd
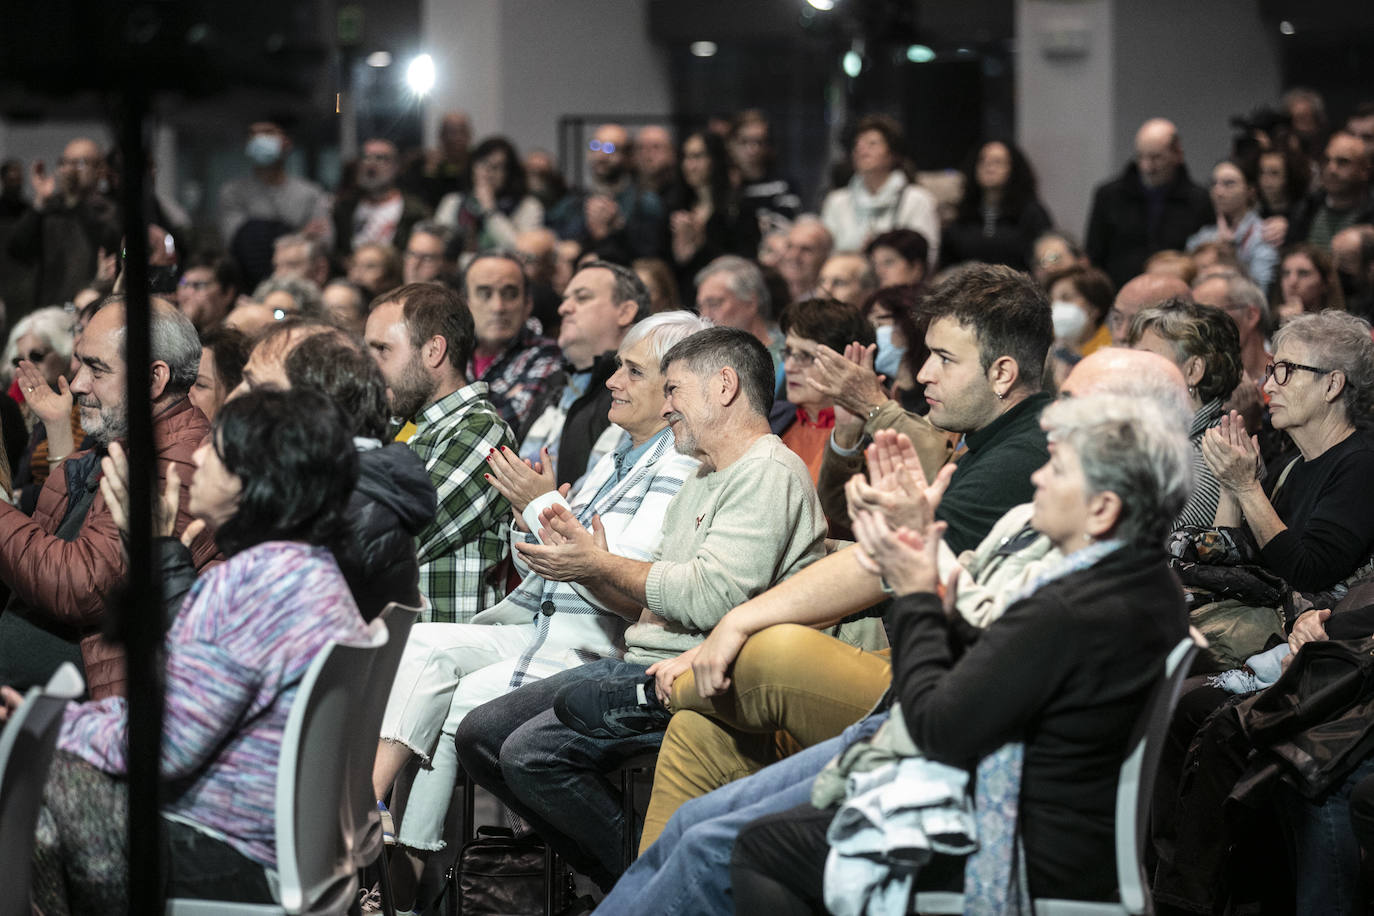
614 217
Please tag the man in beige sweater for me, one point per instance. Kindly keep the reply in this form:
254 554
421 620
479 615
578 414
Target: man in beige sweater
749 518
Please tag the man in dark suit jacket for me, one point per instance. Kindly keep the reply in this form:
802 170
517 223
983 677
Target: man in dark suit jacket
1152 206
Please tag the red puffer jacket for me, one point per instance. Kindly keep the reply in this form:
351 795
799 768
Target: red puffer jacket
70 580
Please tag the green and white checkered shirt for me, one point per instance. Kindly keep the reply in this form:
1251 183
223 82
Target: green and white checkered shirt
460 550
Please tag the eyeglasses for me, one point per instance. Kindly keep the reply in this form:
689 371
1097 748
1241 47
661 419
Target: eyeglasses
195 285
598 146
424 258
1282 371
33 356
798 356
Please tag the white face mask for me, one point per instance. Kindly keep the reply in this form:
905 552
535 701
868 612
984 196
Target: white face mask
1069 321
264 149
888 362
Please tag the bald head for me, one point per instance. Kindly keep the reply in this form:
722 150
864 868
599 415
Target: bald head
1158 152
1133 374
1143 291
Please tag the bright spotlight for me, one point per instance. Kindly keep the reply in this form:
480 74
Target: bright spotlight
853 63
420 74
919 54
703 48
824 6
379 59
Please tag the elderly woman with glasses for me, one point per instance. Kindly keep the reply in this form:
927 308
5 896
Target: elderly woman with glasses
1315 525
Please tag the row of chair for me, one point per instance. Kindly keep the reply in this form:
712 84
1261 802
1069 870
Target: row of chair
328 828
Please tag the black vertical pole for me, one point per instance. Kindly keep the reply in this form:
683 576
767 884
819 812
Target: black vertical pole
140 614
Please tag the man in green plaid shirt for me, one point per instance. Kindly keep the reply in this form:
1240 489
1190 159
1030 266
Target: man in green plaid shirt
422 338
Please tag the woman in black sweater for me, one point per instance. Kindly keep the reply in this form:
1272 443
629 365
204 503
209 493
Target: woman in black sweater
1066 671
1315 525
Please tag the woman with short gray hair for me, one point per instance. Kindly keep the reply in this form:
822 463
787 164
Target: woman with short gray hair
1051 690
1205 346
1315 525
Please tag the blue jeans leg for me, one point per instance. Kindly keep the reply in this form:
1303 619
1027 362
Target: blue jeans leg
1327 863
688 870
549 774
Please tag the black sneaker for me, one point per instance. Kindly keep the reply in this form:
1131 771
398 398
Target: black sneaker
612 708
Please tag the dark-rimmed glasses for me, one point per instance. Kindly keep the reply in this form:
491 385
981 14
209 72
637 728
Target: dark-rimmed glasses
1282 371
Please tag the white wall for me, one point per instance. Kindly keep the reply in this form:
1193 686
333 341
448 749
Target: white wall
1194 63
1224 62
517 66
1065 85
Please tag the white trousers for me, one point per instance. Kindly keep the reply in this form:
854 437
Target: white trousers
447 670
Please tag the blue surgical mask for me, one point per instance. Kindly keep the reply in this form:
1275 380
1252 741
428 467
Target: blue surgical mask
263 149
888 362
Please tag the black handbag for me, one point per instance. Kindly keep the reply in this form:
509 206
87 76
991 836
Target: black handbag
498 874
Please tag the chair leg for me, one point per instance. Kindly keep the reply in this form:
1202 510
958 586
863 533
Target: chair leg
384 882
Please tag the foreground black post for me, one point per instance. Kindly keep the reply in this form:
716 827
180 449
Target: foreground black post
138 619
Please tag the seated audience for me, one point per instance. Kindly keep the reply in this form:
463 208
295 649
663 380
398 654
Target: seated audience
1141 292
899 327
1045 691
768 199
210 284
988 337
1205 346
614 217
719 386
223 353
1000 213
1249 309
44 340
375 269
427 254
517 364
271 483
498 205
733 293
847 277
807 326
570 425
685 870
705 218
658 279
899 257
298 255
61 564
378 212
289 297
421 337
1152 206
344 304
1307 283
880 196
1235 199
1080 298
1052 252
543 626
809 244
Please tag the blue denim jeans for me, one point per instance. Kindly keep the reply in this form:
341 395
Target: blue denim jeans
688 870
516 748
1326 864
